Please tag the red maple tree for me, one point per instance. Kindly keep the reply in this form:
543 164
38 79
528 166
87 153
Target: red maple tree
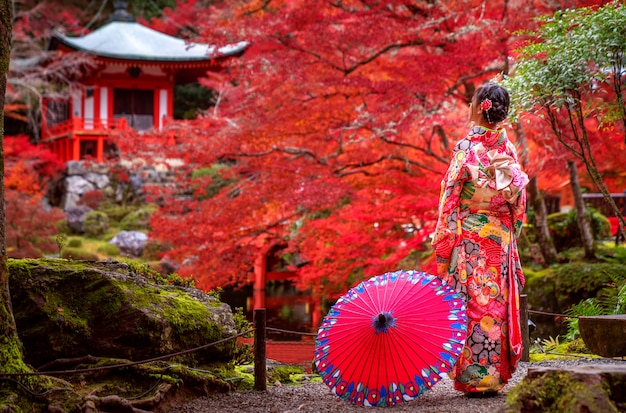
333 131
30 225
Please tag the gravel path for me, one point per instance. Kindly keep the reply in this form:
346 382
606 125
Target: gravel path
317 398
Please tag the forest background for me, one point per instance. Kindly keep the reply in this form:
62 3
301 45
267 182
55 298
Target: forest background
323 144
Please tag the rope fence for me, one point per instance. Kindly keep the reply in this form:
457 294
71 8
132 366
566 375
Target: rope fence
260 349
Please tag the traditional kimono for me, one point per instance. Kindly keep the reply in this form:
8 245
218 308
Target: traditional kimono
481 209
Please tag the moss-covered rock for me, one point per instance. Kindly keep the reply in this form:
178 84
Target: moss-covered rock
557 289
593 389
75 308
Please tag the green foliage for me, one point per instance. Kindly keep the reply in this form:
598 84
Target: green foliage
284 374
96 224
610 252
143 269
585 308
241 321
108 249
557 288
551 343
75 243
564 228
78 254
581 280
61 240
176 279
610 300
210 181
190 99
138 220
116 212
553 70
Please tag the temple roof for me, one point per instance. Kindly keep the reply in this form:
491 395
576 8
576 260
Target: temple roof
129 40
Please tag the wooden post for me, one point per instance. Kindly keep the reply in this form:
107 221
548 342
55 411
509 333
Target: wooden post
260 371
523 319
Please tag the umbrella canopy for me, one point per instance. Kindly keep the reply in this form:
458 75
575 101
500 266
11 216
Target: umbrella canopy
390 338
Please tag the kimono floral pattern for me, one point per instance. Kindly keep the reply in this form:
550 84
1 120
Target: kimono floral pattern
481 210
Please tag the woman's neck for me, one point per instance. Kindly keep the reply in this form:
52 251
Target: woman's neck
484 124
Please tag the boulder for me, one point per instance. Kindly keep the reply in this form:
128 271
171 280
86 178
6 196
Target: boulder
70 309
589 389
604 335
130 242
76 217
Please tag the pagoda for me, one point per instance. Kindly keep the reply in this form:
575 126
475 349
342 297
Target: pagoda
130 86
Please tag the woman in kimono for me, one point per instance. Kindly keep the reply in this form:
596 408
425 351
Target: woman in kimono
481 209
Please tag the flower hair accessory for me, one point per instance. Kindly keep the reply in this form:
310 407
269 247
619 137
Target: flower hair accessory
485 105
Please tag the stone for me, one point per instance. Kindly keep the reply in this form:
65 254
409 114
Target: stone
589 389
100 181
76 217
78 185
604 335
75 168
130 242
71 309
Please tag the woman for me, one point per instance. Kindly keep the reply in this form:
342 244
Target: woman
481 210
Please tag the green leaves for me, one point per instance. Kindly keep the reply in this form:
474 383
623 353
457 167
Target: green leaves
571 55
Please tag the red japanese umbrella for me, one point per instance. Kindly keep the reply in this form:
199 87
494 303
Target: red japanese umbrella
390 338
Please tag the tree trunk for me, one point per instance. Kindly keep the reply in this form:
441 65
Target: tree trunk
11 359
584 226
542 232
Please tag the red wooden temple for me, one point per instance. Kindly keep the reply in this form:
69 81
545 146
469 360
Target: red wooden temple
131 86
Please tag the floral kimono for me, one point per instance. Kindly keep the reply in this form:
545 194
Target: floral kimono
481 210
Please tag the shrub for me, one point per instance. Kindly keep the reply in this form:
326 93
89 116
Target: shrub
93 199
96 224
78 254
110 250
75 243
137 220
30 228
116 212
564 228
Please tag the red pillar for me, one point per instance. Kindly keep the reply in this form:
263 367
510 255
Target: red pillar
67 150
260 277
100 150
75 149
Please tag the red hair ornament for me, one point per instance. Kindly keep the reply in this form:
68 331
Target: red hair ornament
485 105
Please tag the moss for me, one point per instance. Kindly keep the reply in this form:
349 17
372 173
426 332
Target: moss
244 377
77 254
109 250
581 280
557 392
285 373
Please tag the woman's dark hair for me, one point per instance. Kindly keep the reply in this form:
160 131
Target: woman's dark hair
499 98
